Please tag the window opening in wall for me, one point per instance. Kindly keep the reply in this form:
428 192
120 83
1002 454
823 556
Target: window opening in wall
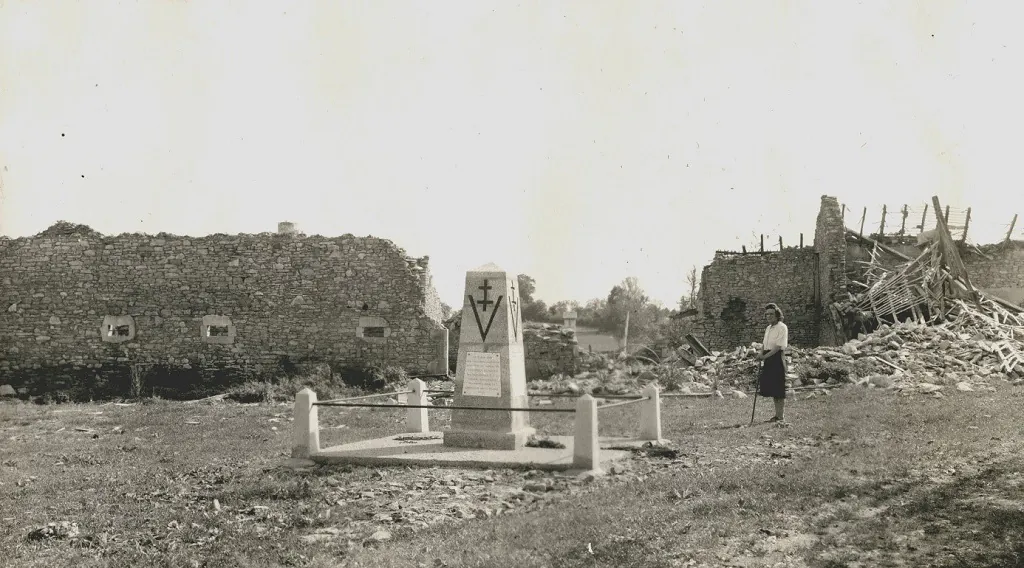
366 307
217 331
117 329
373 332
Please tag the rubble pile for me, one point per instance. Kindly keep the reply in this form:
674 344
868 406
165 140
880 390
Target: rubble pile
964 353
912 356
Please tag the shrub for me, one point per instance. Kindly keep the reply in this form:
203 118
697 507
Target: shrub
393 378
252 391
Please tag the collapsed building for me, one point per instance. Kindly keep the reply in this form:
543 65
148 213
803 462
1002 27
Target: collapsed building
85 311
846 284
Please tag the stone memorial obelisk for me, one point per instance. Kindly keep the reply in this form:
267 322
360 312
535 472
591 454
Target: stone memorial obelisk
491 371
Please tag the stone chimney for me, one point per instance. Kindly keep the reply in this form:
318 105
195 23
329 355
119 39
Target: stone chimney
286 228
830 244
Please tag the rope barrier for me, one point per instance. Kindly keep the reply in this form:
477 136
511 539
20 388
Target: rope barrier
331 403
443 393
624 402
378 395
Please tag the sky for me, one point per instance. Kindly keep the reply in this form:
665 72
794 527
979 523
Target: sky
577 142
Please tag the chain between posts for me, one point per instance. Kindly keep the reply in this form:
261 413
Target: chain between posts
495 408
446 392
378 395
624 402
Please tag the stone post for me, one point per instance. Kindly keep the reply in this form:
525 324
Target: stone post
650 414
416 419
569 320
306 432
585 446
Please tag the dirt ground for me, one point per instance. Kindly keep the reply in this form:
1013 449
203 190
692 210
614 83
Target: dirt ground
859 477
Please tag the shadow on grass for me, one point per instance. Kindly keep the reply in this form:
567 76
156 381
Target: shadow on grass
984 529
974 521
1013 558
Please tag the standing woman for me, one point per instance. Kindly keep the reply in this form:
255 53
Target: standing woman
772 381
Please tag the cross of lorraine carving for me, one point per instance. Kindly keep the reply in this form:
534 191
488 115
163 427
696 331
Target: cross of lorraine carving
483 308
514 309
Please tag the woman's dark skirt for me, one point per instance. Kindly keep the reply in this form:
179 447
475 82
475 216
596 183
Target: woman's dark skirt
772 382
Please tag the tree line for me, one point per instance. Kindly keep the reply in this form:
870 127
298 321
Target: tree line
649 319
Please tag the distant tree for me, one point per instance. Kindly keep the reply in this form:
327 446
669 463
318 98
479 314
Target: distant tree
446 311
558 309
590 314
527 286
689 300
628 297
531 309
536 311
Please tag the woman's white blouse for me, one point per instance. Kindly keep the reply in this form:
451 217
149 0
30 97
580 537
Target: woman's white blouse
776 336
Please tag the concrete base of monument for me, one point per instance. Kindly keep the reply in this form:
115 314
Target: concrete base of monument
429 450
485 440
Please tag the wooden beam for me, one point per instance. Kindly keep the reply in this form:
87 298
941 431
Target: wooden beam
762 243
967 223
997 299
801 240
950 253
1009 234
1006 303
881 226
924 217
863 216
780 242
887 249
903 223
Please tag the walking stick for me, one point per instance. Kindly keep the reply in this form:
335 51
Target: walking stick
752 410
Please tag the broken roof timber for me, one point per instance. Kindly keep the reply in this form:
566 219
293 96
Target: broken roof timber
1003 301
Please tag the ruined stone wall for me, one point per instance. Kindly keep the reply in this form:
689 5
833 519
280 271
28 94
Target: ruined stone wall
270 298
550 349
547 348
1002 273
830 246
735 289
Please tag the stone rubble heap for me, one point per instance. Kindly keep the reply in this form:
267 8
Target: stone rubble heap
910 357
902 356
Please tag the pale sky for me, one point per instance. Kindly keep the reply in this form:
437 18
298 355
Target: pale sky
577 142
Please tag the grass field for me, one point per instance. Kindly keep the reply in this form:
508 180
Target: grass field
859 478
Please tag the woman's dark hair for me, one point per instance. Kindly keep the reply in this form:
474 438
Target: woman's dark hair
776 309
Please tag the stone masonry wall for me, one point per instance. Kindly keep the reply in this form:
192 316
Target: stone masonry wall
276 297
547 348
736 288
1003 274
550 349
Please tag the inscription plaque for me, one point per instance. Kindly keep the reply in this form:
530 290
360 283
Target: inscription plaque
483 375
